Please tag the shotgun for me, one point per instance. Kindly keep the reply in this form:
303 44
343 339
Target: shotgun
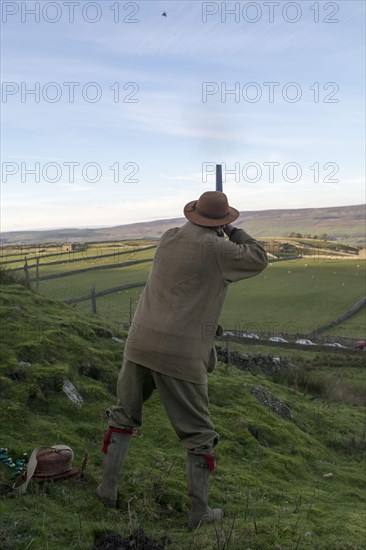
218 177
219 188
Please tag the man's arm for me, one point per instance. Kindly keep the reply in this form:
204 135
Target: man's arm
241 256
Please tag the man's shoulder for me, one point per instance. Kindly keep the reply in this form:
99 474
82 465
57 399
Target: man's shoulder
189 232
169 233
199 231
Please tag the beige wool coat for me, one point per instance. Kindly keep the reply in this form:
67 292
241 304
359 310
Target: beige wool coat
175 323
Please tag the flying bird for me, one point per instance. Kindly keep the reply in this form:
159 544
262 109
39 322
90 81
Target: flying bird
164 14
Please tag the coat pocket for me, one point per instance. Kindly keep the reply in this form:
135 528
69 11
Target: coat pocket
213 360
219 331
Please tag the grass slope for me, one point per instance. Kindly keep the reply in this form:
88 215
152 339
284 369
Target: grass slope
270 471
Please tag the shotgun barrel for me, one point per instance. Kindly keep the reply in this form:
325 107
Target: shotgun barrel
218 178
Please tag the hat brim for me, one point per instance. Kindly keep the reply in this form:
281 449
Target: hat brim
53 477
193 216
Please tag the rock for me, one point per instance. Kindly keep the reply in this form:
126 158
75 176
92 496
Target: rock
255 362
267 398
257 433
72 393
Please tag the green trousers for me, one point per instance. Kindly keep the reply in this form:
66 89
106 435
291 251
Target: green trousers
185 403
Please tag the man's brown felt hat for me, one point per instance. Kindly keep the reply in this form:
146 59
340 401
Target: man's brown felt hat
210 210
54 464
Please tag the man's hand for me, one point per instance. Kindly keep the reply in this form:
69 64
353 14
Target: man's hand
228 229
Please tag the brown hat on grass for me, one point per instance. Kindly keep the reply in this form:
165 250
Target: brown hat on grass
53 464
211 210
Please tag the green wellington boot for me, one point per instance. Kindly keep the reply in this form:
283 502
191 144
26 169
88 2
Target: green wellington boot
198 476
112 467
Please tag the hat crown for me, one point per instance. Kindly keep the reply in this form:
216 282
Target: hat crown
213 205
211 210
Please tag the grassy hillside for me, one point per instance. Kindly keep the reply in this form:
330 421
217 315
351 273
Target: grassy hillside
270 476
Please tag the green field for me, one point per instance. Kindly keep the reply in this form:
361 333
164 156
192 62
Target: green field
354 327
296 296
287 298
290 297
14 258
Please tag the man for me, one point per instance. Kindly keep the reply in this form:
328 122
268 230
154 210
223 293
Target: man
170 346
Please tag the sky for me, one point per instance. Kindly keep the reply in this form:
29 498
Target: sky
113 113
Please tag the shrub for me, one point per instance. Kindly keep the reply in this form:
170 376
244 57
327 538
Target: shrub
8 277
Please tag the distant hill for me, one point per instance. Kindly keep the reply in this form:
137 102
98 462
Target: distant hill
345 224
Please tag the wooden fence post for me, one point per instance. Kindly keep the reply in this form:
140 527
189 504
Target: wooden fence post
26 271
130 313
37 274
228 349
93 299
